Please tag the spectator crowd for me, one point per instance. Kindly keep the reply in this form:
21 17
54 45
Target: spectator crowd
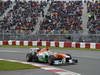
63 18
22 18
93 17
4 6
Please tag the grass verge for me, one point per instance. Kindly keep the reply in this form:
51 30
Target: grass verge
11 66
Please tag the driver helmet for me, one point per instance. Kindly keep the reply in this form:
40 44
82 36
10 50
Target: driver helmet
47 49
38 49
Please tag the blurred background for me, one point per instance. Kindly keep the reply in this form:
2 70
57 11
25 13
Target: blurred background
61 20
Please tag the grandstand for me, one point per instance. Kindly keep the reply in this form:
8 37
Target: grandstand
75 20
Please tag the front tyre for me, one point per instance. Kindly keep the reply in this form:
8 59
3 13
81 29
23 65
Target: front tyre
69 55
51 60
75 60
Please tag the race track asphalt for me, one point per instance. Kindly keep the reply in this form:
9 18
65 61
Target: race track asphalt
89 61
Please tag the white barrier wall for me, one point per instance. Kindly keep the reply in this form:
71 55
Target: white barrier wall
82 45
51 44
1 42
44 43
61 44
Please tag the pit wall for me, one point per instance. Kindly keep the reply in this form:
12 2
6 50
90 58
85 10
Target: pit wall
51 44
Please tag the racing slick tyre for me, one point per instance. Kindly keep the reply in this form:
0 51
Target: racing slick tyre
69 55
75 61
71 60
29 57
51 60
67 59
35 58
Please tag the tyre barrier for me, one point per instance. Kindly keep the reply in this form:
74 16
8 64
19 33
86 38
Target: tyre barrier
51 44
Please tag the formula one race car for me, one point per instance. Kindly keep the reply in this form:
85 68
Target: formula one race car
45 55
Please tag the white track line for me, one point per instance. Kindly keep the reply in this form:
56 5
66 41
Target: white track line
47 68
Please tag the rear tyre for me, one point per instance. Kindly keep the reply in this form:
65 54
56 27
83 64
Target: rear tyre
35 58
29 57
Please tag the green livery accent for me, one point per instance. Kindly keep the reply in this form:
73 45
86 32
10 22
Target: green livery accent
45 59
